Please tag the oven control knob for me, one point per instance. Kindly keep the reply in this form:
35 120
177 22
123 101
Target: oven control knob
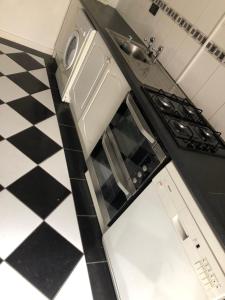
144 168
135 180
139 174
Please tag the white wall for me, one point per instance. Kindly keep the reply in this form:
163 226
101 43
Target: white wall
204 80
34 23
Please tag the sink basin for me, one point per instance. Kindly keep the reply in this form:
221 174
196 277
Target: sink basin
130 47
133 50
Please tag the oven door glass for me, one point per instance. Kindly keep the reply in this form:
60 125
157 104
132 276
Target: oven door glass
113 197
140 152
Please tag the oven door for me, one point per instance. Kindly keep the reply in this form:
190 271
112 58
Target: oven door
126 157
112 184
135 143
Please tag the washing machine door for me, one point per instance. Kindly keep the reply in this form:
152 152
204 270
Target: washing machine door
71 50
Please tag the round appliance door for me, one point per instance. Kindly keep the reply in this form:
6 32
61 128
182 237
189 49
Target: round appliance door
71 50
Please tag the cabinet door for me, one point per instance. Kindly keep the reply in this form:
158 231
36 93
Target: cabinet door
107 98
89 75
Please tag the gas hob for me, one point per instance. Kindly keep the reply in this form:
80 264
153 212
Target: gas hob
186 123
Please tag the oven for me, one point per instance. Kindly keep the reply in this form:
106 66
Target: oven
124 161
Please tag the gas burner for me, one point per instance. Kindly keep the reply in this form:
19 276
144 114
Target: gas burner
206 134
166 104
181 129
189 110
192 113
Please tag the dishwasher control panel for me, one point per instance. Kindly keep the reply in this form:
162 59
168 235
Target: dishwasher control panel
206 266
206 274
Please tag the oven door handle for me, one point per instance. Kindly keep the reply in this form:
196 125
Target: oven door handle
114 165
139 119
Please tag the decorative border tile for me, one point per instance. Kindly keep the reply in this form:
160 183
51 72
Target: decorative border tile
217 52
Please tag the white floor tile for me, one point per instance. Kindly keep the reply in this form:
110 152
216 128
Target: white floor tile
77 285
9 66
11 122
50 127
17 222
38 58
45 98
9 90
64 220
41 74
14 286
7 49
14 163
57 167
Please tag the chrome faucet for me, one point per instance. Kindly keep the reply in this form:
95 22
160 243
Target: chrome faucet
153 52
150 44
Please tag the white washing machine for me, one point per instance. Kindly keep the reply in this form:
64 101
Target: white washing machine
72 45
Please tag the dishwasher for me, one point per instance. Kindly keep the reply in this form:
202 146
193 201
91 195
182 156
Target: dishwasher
158 249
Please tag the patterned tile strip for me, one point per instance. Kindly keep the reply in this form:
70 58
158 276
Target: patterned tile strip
217 52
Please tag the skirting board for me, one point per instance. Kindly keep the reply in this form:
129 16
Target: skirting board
25 42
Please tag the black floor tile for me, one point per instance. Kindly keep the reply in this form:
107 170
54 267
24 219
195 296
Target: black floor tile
26 61
91 238
0 72
82 198
70 138
76 164
45 259
101 282
31 109
0 260
64 114
1 102
35 144
39 191
28 82
1 188
1 138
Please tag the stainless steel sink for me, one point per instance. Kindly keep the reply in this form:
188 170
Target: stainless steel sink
134 50
142 66
131 48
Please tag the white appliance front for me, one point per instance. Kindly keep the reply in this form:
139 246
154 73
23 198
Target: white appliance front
154 255
75 46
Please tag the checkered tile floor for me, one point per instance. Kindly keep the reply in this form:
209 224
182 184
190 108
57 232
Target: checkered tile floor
41 253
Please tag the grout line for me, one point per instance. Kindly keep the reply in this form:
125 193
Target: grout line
79 179
74 150
221 106
65 125
97 262
87 216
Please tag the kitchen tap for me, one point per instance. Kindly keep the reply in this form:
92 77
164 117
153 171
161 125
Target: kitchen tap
151 50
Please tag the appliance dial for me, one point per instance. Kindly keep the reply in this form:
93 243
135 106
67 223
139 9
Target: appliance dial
139 174
135 180
144 168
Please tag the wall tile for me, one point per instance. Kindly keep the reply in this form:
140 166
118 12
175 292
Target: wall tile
198 74
170 36
218 120
219 37
182 57
211 15
191 9
212 95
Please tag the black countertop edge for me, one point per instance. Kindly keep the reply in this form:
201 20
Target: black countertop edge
203 174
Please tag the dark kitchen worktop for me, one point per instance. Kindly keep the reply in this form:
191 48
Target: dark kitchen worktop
203 174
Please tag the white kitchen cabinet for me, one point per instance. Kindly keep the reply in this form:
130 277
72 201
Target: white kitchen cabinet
97 92
88 76
107 97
